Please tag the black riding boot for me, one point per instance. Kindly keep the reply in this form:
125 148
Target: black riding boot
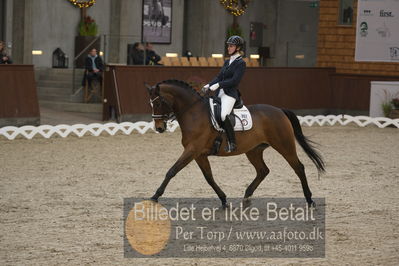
231 139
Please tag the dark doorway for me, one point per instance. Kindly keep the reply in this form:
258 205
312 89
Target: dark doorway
2 20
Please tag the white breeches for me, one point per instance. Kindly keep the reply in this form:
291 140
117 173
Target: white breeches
227 104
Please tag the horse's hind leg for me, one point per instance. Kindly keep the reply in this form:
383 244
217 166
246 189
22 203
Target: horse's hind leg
205 167
287 149
255 156
300 172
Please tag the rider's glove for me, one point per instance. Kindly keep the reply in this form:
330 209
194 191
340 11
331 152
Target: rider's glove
205 88
214 87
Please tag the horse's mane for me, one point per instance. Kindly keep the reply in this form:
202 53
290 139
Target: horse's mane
182 84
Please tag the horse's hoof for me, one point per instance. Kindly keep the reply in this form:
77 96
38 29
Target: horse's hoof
224 205
312 204
154 199
246 202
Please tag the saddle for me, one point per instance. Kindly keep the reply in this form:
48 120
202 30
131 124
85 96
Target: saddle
240 116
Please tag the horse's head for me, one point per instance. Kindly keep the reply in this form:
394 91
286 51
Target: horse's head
161 108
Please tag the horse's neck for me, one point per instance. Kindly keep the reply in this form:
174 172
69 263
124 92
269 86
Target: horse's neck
183 100
184 103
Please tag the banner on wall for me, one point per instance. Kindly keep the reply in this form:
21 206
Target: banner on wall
377 31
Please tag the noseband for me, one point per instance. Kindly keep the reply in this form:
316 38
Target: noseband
167 116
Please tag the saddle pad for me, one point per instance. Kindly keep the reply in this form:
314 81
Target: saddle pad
243 118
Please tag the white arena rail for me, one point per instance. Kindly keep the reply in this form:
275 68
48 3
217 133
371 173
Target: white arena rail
142 127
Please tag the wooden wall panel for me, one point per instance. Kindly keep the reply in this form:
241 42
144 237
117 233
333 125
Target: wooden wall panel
319 89
293 88
18 95
352 92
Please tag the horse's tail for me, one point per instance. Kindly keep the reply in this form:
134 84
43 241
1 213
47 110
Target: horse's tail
305 143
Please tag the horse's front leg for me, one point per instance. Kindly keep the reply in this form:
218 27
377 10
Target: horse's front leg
205 167
185 158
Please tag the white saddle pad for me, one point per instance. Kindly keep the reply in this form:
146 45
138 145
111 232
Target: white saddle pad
243 118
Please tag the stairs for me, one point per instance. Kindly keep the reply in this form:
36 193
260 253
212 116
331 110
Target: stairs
54 89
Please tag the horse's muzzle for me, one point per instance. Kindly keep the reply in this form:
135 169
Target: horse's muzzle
161 128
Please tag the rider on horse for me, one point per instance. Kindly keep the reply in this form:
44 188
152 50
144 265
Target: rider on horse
226 86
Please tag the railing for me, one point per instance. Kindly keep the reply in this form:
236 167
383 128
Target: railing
142 127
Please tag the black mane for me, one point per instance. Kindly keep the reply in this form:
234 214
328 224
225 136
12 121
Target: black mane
180 83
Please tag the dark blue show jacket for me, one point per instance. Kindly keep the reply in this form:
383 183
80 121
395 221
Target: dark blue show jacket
229 77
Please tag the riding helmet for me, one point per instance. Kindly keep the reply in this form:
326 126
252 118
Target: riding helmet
236 40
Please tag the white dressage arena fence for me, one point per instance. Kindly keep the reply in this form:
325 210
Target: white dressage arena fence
96 129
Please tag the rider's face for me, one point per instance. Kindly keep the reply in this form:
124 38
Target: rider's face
93 52
231 49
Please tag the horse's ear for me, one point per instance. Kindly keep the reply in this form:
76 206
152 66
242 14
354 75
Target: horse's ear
157 89
149 88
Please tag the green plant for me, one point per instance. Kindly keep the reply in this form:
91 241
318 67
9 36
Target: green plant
386 108
88 27
234 29
386 105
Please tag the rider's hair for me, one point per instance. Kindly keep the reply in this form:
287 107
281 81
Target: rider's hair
240 51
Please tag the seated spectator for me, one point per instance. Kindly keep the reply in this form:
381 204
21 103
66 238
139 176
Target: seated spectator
94 67
152 57
136 57
4 58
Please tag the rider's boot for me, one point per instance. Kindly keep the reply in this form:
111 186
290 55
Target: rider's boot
231 140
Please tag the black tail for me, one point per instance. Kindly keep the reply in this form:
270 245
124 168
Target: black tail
305 143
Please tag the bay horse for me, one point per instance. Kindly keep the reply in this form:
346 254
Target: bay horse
272 126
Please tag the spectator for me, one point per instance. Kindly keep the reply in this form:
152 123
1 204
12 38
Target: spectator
4 58
94 67
152 57
136 57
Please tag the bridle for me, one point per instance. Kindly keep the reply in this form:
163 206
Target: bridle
171 115
167 116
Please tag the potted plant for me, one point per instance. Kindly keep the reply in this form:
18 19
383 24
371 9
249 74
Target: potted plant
88 31
88 27
394 112
386 108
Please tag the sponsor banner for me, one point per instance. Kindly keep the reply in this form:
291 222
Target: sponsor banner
377 31
200 227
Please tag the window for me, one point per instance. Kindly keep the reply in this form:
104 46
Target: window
345 12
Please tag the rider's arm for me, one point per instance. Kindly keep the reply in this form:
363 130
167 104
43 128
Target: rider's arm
235 80
219 76
217 79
